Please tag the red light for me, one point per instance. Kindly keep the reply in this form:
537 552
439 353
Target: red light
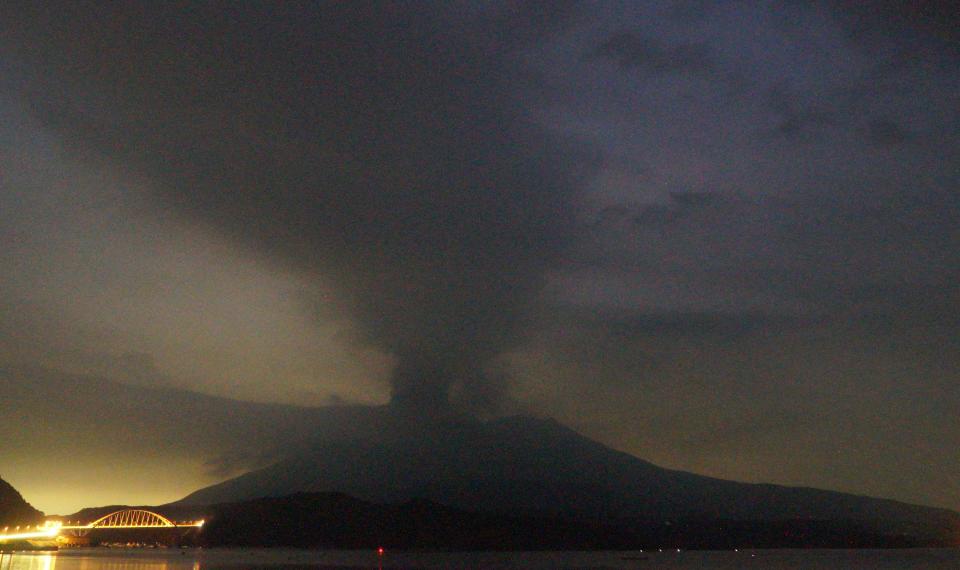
380 551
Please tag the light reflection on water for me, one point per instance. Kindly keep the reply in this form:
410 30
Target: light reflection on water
44 561
49 561
280 559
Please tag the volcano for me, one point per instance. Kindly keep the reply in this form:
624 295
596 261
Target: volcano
537 467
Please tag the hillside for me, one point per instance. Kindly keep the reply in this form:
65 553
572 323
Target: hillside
333 520
339 521
527 467
14 510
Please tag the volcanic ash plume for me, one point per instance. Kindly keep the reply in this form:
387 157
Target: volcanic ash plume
387 153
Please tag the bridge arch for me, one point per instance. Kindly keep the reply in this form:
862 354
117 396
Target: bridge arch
131 518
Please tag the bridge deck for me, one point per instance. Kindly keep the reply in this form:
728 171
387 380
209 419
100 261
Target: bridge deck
177 525
126 519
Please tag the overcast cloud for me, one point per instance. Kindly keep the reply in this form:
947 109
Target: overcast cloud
721 236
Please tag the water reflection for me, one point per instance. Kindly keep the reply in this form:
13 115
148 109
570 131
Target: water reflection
49 561
125 565
280 559
42 561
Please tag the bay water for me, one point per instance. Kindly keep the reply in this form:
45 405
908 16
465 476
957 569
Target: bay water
285 559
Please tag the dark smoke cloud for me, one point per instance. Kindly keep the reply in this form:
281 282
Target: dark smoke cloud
631 51
909 19
383 148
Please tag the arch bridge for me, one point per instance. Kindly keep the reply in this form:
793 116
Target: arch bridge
134 518
122 519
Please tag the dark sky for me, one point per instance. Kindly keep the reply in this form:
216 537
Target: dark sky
721 236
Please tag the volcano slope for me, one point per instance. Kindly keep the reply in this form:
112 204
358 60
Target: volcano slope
532 467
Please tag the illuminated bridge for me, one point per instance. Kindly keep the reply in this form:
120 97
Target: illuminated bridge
119 520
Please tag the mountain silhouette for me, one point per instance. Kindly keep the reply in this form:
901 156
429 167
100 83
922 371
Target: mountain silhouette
533 467
14 510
